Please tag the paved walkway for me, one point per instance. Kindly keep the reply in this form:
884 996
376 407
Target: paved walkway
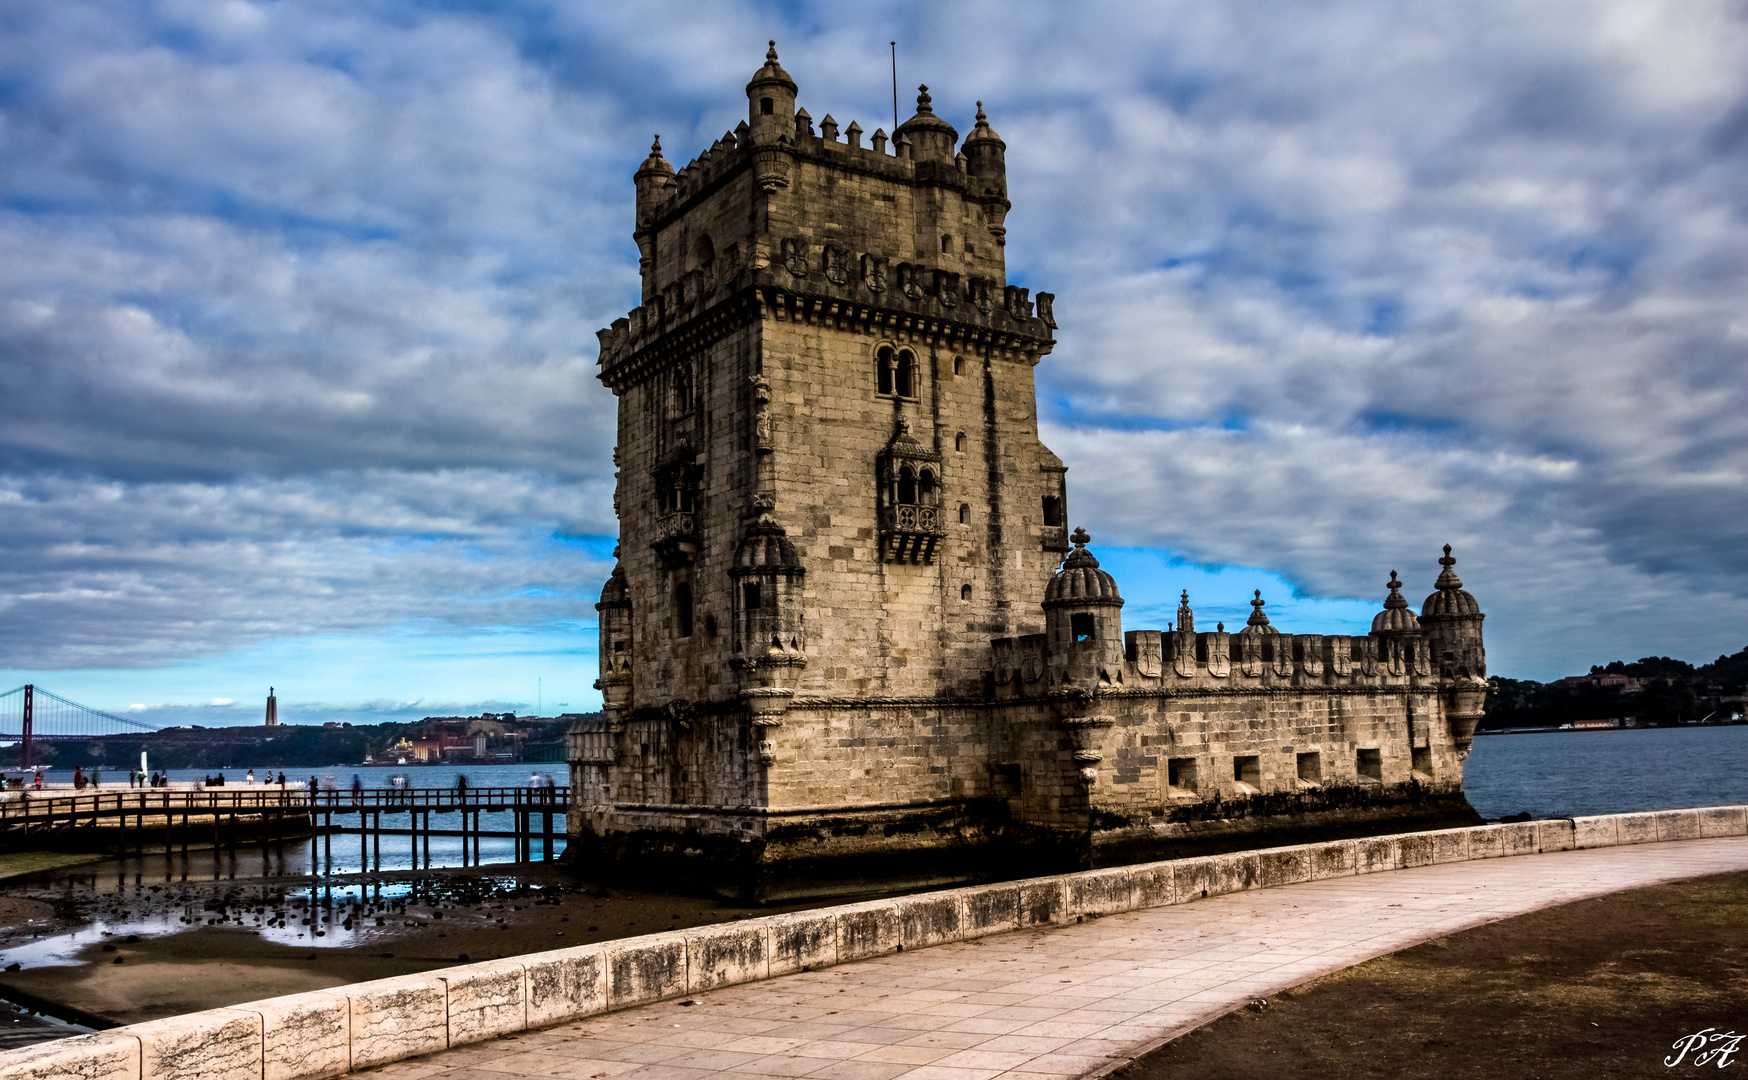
1059 1002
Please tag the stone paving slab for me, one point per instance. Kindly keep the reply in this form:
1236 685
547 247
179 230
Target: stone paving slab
1058 1002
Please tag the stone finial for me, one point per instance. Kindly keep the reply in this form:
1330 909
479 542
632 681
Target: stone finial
878 140
828 128
923 99
1186 619
1080 537
1394 600
1447 578
854 133
982 120
1219 628
803 122
1257 618
771 53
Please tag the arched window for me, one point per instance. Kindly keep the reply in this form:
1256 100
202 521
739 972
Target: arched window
883 371
906 486
959 442
958 365
946 245
905 382
964 513
965 592
683 609
926 487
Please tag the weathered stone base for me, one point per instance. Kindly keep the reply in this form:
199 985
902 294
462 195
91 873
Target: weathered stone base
751 858
1280 820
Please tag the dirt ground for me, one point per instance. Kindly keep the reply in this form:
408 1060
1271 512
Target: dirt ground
1599 988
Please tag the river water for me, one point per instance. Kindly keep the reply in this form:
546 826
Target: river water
344 854
1573 773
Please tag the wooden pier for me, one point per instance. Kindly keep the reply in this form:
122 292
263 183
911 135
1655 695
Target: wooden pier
141 820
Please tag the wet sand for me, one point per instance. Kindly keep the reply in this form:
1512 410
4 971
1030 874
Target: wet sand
101 947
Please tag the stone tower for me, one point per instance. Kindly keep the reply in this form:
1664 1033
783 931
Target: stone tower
841 648
854 373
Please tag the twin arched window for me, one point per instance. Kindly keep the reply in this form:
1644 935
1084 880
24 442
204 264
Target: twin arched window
914 486
895 372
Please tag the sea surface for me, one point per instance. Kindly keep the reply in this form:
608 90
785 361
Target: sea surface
1574 773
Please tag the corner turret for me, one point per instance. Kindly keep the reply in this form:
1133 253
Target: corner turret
986 165
931 138
1451 620
615 645
771 121
1083 620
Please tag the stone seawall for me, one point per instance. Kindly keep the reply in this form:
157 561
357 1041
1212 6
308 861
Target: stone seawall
331 1032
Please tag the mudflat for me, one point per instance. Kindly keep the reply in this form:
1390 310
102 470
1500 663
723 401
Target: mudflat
1604 987
99 951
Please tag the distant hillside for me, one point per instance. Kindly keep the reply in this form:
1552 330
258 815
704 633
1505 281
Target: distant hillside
257 747
1655 691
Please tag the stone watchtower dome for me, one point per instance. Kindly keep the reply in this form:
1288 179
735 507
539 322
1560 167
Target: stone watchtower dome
1083 619
1452 622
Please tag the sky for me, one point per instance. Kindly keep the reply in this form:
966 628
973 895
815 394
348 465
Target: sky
298 303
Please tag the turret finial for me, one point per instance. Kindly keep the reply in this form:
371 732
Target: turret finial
1186 619
982 120
1080 537
771 53
923 99
1257 618
1394 600
1447 578
655 148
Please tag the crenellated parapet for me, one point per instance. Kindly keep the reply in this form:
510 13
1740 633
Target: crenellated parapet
1089 648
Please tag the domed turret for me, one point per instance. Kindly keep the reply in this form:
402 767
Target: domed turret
771 122
1395 618
770 99
986 159
654 180
1083 618
1452 621
614 622
767 572
931 138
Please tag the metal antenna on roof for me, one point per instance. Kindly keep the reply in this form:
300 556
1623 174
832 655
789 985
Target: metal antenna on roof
895 89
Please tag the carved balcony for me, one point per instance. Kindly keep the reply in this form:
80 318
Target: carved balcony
676 538
909 532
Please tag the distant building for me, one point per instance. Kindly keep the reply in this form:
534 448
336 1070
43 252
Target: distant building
842 648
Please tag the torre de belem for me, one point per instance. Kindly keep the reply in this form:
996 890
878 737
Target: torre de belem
850 643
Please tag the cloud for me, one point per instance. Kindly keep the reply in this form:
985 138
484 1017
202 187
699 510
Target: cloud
296 323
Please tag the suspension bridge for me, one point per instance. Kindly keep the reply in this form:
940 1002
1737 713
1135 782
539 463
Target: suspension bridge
30 714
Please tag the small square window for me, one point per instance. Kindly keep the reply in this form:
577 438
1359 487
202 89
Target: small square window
1247 769
1081 626
1181 775
1370 764
1423 761
1311 768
